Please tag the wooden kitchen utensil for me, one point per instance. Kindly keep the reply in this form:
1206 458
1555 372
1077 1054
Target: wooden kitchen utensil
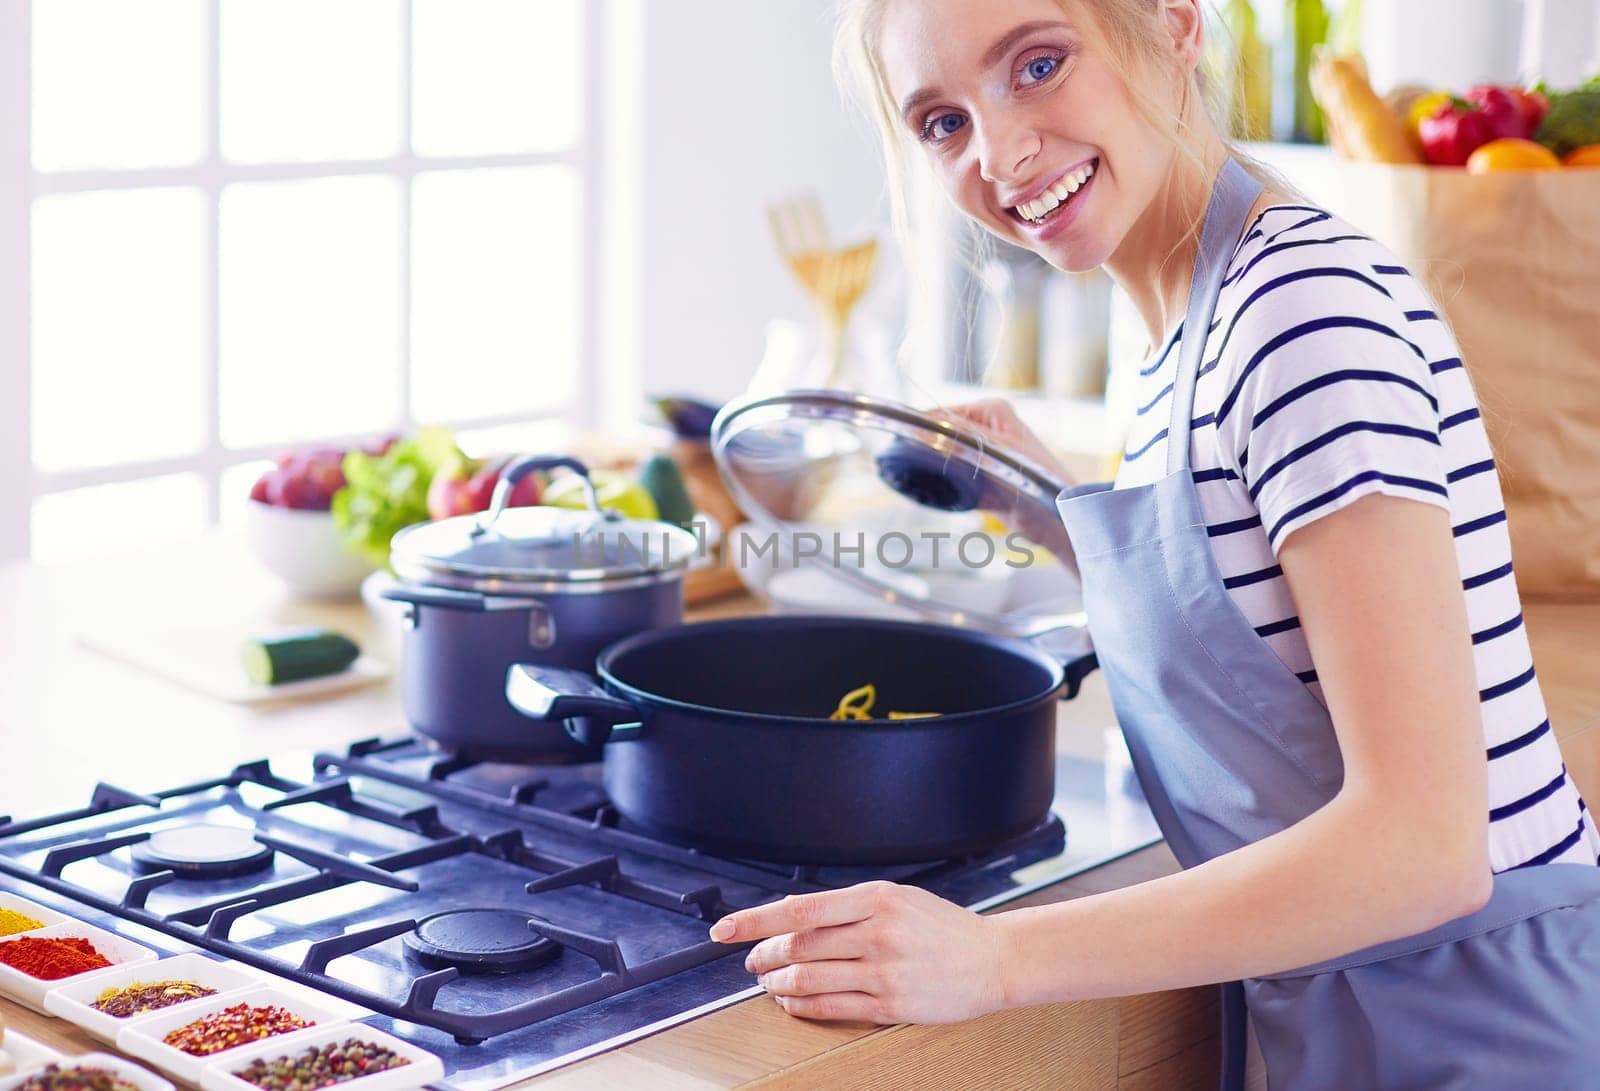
835 279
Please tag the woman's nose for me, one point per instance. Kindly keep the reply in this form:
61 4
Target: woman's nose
1005 152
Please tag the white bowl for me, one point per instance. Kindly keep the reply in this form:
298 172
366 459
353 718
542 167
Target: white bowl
302 549
424 1066
139 1077
46 917
74 1001
30 991
143 1038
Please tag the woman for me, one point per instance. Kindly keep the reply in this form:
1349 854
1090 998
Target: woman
1300 591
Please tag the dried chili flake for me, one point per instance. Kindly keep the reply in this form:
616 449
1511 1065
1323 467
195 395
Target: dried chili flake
143 996
75 1078
321 1066
12 922
50 958
234 1026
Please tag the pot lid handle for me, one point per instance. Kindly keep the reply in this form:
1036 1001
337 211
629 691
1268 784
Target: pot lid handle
521 468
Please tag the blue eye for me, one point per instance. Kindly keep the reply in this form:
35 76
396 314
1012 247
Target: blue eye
939 126
1040 69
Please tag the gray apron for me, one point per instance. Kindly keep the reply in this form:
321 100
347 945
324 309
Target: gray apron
1230 747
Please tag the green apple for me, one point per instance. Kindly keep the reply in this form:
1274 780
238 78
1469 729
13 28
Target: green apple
615 490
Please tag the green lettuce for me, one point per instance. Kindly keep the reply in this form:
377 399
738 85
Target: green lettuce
389 492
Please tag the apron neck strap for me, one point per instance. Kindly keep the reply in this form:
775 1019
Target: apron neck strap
1232 195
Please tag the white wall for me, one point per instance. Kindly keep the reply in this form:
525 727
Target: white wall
739 110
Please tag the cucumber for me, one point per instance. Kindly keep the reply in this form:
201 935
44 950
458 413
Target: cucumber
290 657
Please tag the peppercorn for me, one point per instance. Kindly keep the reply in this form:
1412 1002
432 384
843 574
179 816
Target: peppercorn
77 1078
316 1067
234 1026
143 996
51 958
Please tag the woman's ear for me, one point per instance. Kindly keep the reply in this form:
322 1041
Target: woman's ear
1185 22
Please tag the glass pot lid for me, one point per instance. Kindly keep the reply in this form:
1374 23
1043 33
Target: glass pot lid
540 544
859 504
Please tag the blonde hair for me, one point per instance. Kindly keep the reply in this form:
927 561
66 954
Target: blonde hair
1134 38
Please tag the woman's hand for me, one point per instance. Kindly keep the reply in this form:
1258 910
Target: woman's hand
877 953
996 419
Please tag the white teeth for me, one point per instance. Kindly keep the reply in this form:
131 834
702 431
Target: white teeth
1055 195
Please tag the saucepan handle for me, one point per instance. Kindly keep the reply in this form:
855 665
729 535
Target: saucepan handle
588 713
521 468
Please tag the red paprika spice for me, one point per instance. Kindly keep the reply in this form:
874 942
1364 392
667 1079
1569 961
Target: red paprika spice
52 958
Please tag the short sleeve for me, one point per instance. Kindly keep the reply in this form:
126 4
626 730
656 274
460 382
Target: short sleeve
1326 399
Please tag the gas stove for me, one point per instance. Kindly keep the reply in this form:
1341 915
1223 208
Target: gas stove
505 917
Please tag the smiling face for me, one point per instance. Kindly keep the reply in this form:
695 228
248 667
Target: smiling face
1023 117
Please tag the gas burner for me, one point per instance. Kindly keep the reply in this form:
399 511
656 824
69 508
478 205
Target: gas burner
481 941
203 850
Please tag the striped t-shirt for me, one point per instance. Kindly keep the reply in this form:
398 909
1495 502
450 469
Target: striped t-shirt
1328 376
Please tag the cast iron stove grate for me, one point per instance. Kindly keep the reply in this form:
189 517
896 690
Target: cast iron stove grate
367 843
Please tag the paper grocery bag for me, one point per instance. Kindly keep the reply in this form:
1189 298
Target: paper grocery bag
1514 260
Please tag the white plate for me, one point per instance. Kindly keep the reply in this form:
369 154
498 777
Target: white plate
424 1066
45 916
142 1079
26 1053
143 1038
29 991
74 1001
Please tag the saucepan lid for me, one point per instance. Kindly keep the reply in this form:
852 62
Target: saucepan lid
511 546
903 512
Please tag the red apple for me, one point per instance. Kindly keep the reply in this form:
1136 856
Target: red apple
258 491
289 489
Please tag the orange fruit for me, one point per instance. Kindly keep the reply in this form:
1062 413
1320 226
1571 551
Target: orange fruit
1586 156
1510 153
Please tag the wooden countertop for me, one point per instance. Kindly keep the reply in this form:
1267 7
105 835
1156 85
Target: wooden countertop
70 717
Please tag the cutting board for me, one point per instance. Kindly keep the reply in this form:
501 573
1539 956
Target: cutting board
206 660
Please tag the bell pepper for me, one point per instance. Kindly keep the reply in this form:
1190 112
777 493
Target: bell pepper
1453 132
1534 105
1503 110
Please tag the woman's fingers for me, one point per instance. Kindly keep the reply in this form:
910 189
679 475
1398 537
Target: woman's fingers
811 978
836 1007
841 941
799 912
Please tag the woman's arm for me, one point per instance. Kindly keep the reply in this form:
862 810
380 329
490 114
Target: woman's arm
1401 848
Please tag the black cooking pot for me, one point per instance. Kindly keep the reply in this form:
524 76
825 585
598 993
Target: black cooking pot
717 735
523 585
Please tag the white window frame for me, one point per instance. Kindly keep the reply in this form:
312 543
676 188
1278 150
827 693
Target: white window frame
21 482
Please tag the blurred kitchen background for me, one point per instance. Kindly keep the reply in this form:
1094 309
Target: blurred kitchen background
230 227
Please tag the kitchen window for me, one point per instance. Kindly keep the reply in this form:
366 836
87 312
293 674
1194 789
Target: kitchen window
232 226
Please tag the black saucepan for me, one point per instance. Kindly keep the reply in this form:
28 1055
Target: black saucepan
717 734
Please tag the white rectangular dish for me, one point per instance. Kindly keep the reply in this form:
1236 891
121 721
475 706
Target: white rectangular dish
46 917
26 1053
74 1001
424 1067
30 991
141 1078
143 1039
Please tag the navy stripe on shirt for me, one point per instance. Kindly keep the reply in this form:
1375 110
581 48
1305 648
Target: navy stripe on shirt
1493 631
1345 375
1245 579
1538 795
1274 627
1331 435
1439 367
1486 577
1472 469
1458 418
1339 490
1478 524
1500 689
1278 248
1555 850
1304 329
1217 530
1511 746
